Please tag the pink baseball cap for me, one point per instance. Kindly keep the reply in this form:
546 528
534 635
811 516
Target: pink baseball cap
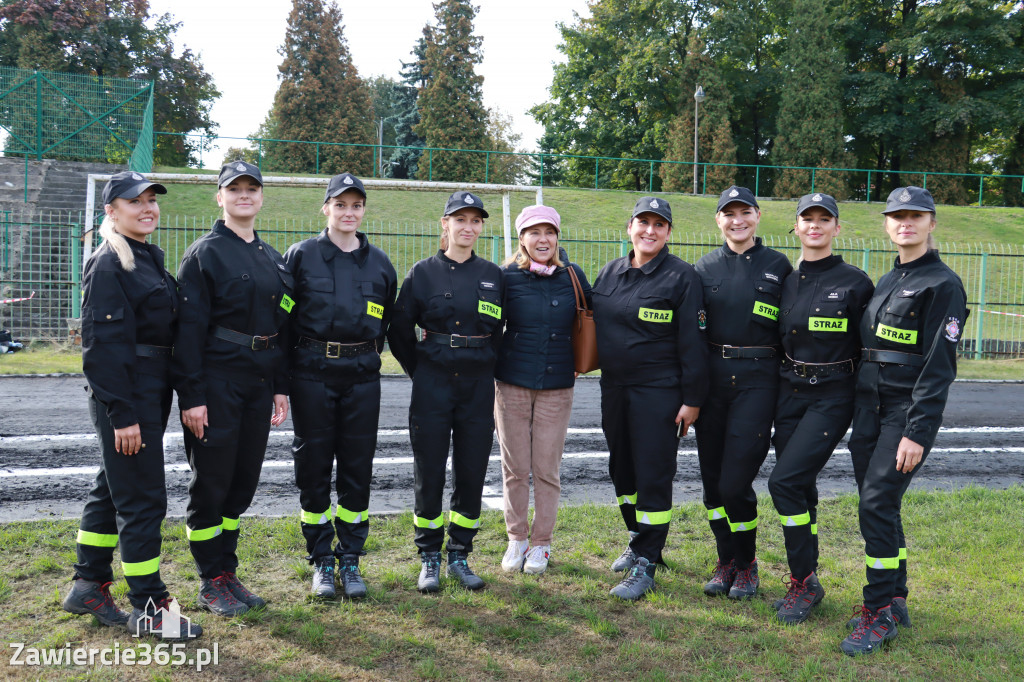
537 215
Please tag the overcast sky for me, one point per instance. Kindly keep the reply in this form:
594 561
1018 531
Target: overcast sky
238 43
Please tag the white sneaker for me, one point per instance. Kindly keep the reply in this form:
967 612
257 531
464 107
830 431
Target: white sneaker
512 562
537 559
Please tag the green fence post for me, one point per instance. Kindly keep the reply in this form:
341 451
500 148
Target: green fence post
597 166
487 169
981 189
980 325
7 239
430 167
542 171
650 179
866 260
76 272
39 117
704 180
757 181
495 249
26 178
924 184
259 156
624 248
318 158
868 197
812 181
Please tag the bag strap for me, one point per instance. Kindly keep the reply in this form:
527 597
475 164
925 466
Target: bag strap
581 300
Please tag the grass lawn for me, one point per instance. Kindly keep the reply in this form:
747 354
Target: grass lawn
44 358
563 625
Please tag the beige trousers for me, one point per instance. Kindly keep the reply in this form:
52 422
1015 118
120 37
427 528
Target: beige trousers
531 427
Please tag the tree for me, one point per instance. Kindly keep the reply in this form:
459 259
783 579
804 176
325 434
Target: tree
508 168
546 168
450 105
111 38
619 86
715 143
321 97
810 121
404 160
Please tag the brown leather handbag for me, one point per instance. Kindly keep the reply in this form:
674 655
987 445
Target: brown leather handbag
584 332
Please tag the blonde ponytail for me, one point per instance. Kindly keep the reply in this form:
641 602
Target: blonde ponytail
118 243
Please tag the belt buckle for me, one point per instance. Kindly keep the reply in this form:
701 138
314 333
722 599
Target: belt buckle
724 349
265 342
452 344
800 370
333 350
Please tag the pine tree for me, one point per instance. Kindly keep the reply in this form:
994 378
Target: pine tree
810 123
321 97
450 105
404 161
715 142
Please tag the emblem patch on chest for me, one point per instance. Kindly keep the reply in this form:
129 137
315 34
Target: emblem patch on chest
287 303
487 285
654 315
375 310
952 329
702 319
766 310
490 309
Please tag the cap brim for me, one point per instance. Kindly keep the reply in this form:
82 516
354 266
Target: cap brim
654 211
231 178
137 189
723 204
342 190
908 207
800 211
483 212
538 220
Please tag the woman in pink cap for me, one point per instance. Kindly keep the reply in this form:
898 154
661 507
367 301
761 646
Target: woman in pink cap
534 380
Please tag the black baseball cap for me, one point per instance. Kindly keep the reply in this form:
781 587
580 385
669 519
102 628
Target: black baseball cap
653 205
343 183
825 201
460 200
233 170
909 198
736 193
128 185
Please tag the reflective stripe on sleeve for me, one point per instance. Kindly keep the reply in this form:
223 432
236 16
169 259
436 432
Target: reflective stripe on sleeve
352 516
464 521
97 539
141 567
315 518
653 518
717 513
743 525
201 534
882 562
626 499
795 520
903 554
229 524
814 529
421 522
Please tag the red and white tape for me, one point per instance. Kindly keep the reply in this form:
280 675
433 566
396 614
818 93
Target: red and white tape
18 300
996 312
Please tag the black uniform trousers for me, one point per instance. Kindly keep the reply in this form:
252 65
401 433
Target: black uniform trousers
226 466
447 409
639 425
334 422
873 444
808 428
128 501
733 434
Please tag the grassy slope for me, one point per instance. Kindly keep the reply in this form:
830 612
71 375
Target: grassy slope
563 625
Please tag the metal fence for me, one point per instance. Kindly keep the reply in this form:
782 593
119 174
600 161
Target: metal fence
45 256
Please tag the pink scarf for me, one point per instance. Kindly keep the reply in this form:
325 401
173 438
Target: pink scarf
542 270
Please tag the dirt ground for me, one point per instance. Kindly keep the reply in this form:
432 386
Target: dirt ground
44 426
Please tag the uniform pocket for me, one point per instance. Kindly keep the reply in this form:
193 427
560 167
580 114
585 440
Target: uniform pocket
488 305
766 302
899 324
829 317
108 325
321 284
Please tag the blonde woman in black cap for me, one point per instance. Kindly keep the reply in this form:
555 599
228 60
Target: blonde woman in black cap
232 381
344 296
455 298
742 294
910 331
129 311
822 303
650 340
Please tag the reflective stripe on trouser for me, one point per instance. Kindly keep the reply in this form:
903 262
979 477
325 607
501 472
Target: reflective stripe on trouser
808 427
873 447
335 423
226 466
732 443
638 423
129 492
449 410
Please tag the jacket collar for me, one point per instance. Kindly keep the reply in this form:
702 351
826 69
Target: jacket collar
328 249
749 252
932 256
821 265
647 268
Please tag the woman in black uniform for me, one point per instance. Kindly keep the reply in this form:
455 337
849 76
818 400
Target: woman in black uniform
232 382
344 295
455 298
742 288
647 309
910 332
822 303
129 310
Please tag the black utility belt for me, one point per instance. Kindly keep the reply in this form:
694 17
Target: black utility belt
733 352
457 340
143 350
893 357
253 342
819 370
336 349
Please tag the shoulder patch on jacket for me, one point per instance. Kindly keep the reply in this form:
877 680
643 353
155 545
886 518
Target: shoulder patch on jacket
952 329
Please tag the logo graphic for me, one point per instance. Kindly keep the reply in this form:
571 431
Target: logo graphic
348 180
833 296
816 197
654 203
702 319
468 199
168 623
771 276
136 176
904 196
240 167
734 193
953 330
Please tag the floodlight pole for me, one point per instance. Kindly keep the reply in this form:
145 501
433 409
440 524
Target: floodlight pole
698 97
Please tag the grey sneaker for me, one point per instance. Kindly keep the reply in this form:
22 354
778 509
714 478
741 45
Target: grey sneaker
430 572
150 621
746 583
215 596
801 596
323 578
899 610
458 568
873 628
88 597
242 592
625 561
351 581
722 579
638 581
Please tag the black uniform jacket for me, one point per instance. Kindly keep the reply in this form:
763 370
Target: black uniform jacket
742 294
244 287
347 297
919 307
121 309
648 325
539 311
822 305
443 296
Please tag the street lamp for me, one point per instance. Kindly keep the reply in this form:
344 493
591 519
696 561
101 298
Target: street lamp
698 97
